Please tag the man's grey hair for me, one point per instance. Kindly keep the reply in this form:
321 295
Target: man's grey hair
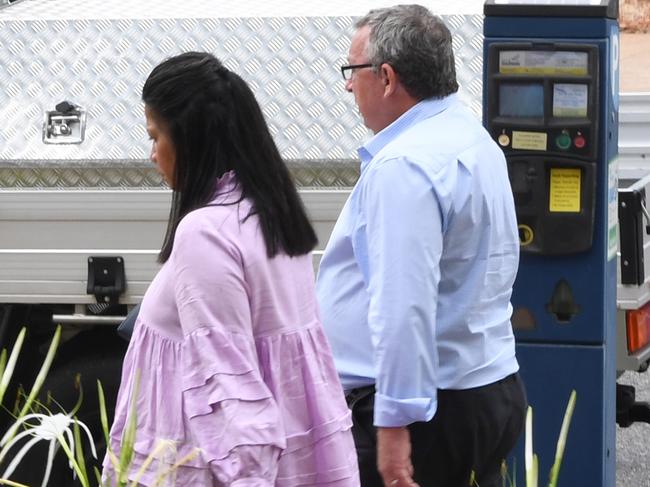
417 44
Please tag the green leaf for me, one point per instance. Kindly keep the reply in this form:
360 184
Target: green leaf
128 436
42 374
103 415
78 385
535 471
159 449
79 454
171 470
529 456
73 462
11 483
98 476
8 369
472 479
3 361
561 441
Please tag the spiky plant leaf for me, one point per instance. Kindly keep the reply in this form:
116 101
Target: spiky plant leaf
79 453
561 441
103 415
11 483
42 374
75 465
98 476
8 369
3 361
531 476
128 436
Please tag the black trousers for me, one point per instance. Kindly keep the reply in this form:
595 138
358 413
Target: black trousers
473 430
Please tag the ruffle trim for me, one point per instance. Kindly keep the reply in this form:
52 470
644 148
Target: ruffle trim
308 438
333 460
226 402
181 475
336 467
227 405
234 353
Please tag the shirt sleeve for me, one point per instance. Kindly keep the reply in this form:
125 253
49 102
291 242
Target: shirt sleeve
232 415
400 239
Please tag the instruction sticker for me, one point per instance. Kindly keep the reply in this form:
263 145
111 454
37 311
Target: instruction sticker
529 140
564 195
544 63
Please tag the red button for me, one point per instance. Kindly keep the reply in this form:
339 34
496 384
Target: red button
579 142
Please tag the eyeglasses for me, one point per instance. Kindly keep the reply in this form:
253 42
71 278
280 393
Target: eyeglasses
348 70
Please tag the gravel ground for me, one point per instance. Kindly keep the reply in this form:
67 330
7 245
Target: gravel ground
633 443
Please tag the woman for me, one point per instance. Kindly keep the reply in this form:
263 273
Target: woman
228 349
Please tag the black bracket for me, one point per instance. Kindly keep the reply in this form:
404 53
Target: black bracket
106 278
628 409
631 228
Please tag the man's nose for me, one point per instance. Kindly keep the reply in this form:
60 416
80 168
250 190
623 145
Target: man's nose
348 85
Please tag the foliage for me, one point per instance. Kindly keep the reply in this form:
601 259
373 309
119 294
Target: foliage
530 458
63 430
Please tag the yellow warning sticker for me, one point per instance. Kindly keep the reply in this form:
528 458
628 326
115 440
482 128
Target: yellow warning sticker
529 140
564 195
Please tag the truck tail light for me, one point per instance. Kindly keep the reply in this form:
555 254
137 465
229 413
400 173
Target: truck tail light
638 328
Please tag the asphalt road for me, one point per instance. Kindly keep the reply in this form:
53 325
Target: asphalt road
633 443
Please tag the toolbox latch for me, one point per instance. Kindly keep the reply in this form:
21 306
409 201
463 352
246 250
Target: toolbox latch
66 124
106 278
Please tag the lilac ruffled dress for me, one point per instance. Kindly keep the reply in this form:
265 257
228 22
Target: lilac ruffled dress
232 360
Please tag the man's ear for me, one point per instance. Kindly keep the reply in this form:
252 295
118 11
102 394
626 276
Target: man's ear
389 78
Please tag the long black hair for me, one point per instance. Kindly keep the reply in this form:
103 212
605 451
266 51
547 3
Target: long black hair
216 125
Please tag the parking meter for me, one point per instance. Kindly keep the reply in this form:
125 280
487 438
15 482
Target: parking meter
550 100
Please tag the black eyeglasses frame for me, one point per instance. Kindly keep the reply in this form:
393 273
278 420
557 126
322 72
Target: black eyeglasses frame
351 67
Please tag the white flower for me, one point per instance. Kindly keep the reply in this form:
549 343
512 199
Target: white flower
53 428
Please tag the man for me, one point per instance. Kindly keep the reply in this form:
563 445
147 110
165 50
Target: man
416 279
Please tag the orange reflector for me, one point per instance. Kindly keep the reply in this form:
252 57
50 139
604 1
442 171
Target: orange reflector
638 328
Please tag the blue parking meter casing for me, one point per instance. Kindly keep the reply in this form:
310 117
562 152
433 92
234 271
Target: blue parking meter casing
550 100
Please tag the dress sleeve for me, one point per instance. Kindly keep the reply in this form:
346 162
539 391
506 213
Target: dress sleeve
229 411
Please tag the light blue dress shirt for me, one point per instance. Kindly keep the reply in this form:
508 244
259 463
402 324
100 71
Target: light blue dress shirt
415 282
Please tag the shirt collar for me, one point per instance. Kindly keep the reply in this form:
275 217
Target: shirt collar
420 111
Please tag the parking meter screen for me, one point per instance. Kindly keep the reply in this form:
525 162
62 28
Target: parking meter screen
570 100
521 100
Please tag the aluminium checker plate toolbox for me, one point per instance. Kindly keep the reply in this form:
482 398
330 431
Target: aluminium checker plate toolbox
97 54
63 203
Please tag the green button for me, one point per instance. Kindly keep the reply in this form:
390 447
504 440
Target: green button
563 141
